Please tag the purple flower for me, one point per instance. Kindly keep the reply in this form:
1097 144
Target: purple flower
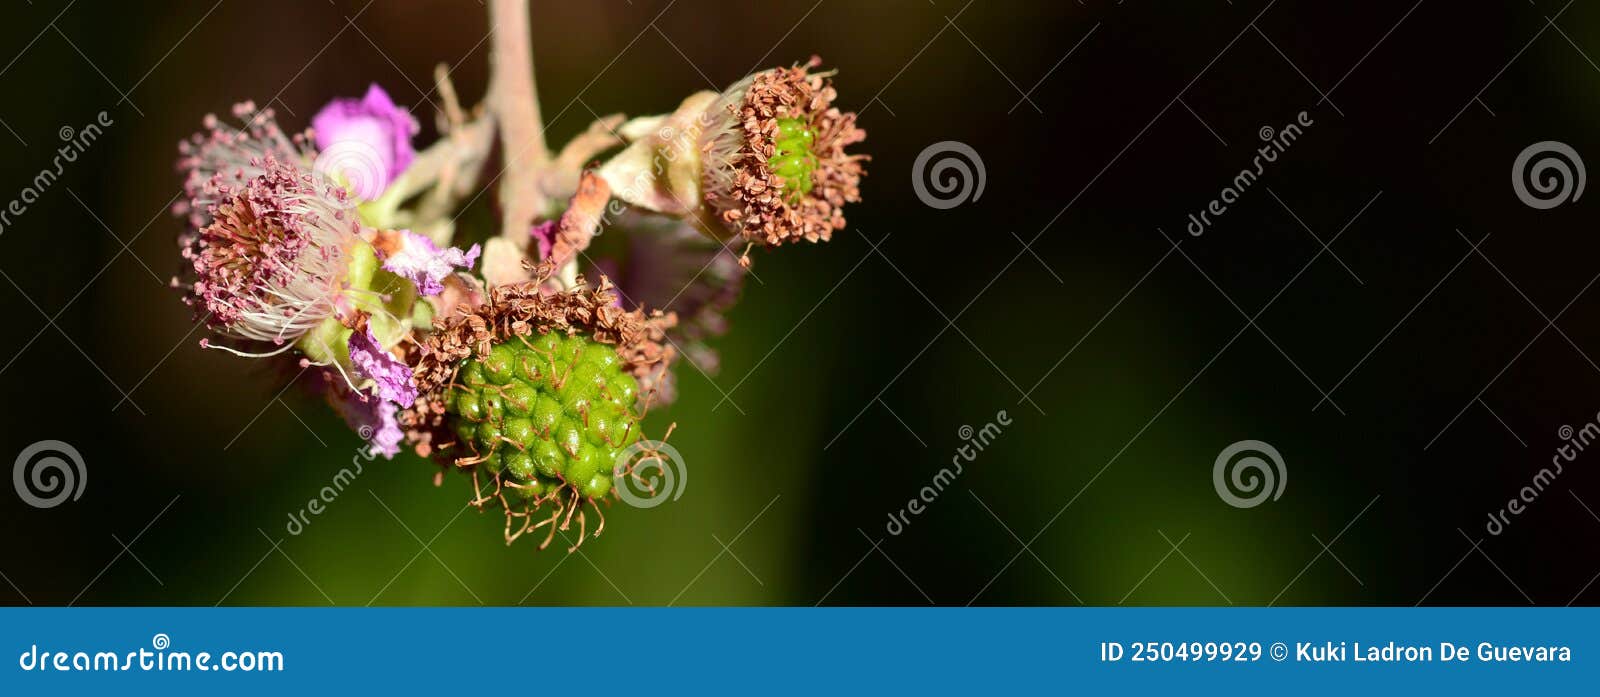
383 431
374 419
420 260
392 375
366 141
544 237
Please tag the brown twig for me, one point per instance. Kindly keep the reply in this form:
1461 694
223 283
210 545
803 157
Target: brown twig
562 179
515 103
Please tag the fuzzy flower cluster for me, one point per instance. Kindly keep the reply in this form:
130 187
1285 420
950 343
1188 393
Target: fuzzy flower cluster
341 251
270 262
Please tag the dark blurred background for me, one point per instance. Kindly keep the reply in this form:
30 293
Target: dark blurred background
1125 366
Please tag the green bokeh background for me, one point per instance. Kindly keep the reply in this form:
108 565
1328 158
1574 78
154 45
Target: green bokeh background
847 384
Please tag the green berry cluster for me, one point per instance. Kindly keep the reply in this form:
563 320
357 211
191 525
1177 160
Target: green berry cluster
548 411
792 158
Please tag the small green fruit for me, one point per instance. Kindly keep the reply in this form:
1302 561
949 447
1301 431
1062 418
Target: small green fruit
545 412
792 158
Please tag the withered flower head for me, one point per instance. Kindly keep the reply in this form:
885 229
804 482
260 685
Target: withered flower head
519 310
774 162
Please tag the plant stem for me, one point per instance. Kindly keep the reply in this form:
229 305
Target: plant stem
514 103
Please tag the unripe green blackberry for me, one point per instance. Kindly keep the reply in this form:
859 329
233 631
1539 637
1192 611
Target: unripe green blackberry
543 412
792 158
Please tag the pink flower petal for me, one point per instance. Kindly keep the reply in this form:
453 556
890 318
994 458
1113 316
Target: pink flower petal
421 261
391 374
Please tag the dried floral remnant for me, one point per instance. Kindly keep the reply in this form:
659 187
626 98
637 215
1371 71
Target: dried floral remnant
582 219
521 309
775 167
